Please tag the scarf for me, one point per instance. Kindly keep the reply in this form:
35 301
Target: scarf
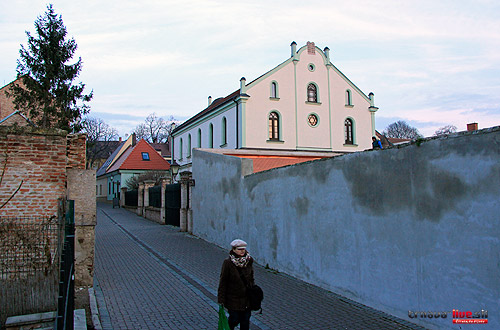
240 261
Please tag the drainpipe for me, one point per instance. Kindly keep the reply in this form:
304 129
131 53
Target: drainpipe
237 131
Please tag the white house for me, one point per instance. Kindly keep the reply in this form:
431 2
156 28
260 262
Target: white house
304 104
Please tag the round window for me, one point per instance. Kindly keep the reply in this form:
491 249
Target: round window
312 119
311 67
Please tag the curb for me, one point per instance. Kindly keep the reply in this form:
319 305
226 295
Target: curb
94 310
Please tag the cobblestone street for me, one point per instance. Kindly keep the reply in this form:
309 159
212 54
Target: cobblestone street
151 276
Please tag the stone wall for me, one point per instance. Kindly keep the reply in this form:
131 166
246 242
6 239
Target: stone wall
413 228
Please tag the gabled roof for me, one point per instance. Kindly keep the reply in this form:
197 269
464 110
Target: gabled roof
16 113
102 169
132 159
162 148
212 107
387 141
222 100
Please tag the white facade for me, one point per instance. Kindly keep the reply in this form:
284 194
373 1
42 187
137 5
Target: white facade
303 104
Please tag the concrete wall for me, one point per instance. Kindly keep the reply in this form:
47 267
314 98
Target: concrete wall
81 189
412 228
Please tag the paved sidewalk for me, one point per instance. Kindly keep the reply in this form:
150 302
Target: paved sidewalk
151 276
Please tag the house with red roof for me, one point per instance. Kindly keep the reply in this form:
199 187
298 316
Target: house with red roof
135 160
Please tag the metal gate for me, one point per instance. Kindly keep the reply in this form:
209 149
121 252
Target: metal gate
173 204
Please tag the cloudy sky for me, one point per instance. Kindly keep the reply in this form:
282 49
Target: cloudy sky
429 62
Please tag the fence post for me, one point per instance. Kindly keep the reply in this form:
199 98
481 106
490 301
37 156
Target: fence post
140 198
147 184
122 196
66 299
164 183
185 182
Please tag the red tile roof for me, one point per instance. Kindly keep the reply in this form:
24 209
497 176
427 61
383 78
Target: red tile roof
263 163
131 159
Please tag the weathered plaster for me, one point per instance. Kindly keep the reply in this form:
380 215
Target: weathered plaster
412 228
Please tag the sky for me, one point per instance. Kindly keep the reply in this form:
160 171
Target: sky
429 62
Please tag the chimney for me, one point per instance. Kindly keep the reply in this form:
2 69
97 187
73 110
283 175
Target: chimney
243 87
294 48
327 53
120 139
371 96
472 127
209 100
133 139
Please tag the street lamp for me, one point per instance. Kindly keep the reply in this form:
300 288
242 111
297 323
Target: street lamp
174 169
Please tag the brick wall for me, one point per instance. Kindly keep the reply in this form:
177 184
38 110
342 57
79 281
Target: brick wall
37 162
16 119
6 105
76 151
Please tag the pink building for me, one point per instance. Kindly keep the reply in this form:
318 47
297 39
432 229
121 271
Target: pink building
304 104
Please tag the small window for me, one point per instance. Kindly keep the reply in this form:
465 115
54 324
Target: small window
312 93
348 98
180 149
274 90
211 135
189 146
224 131
145 156
199 138
349 135
274 133
311 67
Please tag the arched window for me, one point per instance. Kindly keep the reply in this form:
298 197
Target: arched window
224 131
199 137
348 99
348 130
274 124
312 93
180 149
274 90
189 145
211 136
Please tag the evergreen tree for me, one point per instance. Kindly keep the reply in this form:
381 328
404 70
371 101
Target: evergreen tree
46 92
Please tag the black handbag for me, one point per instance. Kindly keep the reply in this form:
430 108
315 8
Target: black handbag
254 293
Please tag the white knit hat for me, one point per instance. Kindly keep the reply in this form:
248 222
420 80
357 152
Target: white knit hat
238 243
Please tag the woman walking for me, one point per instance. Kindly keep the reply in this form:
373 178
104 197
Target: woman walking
236 275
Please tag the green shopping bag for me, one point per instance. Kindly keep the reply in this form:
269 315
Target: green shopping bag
223 324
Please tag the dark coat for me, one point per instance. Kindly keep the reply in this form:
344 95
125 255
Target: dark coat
232 290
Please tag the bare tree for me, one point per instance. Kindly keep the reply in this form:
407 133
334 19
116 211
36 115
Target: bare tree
401 130
155 129
156 175
97 130
445 130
